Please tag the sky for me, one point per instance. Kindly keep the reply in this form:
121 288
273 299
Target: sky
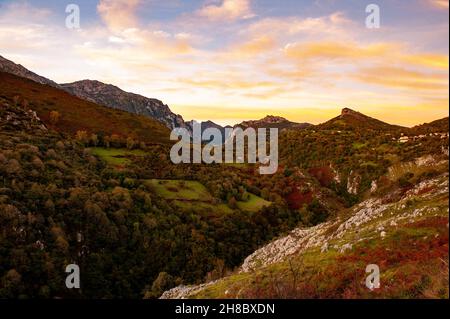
234 60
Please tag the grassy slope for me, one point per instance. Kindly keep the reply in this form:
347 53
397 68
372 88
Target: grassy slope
412 256
181 190
78 114
116 156
194 195
255 203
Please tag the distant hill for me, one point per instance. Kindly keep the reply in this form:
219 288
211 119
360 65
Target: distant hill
78 114
208 124
350 119
438 126
271 121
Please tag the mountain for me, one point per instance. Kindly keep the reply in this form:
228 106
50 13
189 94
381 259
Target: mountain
103 94
350 119
77 114
438 126
17 69
271 121
209 124
112 96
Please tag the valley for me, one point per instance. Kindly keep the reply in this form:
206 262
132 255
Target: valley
92 184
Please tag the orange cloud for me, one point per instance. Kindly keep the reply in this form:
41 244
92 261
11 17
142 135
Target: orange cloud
227 83
438 61
401 78
118 14
441 4
228 10
335 51
256 46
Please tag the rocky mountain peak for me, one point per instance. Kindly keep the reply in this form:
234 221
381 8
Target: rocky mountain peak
347 111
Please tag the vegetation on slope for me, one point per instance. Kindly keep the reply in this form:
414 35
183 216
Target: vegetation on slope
68 114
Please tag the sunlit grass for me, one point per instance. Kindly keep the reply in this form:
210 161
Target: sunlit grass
116 156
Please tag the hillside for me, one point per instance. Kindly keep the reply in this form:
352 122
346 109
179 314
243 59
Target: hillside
352 160
437 126
76 114
350 119
405 232
77 184
123 213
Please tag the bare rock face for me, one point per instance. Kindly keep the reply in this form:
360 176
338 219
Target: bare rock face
353 182
113 97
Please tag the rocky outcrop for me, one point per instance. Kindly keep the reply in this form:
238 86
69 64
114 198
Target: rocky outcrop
18 118
299 239
353 182
182 292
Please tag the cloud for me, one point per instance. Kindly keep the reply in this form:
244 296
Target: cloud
335 25
241 68
396 77
21 12
438 61
440 4
227 10
118 14
343 51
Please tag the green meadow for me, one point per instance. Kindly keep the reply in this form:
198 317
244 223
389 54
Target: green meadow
116 156
194 195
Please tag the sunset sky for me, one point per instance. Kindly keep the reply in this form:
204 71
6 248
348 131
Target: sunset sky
234 60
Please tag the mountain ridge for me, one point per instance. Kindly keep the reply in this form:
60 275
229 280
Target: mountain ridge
75 114
19 70
116 98
97 92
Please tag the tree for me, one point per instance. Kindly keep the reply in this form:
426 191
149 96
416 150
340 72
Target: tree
163 282
94 139
54 117
232 203
130 143
82 136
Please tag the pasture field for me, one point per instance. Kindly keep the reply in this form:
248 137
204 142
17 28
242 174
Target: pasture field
116 156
